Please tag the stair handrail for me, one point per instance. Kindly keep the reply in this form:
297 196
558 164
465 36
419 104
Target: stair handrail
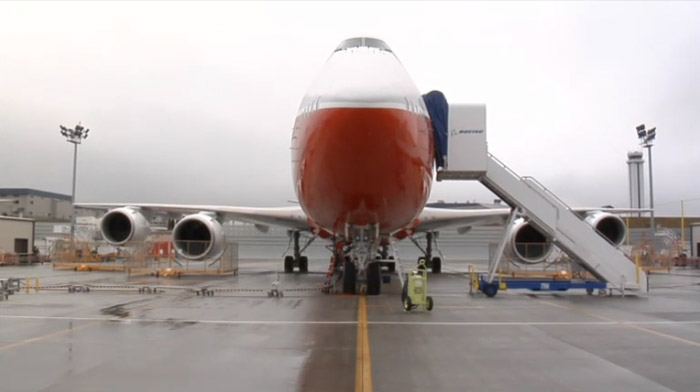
547 191
503 165
533 179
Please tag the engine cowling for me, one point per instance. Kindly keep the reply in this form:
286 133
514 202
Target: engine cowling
608 225
527 244
122 225
199 237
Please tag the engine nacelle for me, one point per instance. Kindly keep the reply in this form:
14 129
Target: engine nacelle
122 225
199 237
527 244
608 225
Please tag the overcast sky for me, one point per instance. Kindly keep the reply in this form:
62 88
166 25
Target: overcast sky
194 102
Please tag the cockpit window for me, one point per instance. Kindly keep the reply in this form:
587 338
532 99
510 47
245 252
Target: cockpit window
363 42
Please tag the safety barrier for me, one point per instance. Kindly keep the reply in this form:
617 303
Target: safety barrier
157 289
156 257
159 258
69 251
473 280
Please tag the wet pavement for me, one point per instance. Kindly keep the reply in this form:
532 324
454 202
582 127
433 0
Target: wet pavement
240 339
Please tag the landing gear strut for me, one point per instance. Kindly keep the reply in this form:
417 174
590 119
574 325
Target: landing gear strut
302 262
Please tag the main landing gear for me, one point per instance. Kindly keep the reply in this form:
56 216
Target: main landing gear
297 261
384 255
434 263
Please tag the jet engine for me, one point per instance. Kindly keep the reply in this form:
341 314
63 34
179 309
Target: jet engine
527 244
125 224
609 226
199 237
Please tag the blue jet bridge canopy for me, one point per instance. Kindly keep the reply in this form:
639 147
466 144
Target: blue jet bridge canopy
438 109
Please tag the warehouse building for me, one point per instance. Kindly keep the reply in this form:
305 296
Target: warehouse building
16 235
695 240
35 204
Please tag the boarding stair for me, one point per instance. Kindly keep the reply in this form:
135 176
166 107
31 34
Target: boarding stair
468 159
567 230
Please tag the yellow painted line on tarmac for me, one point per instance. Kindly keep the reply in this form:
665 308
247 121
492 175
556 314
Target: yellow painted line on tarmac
459 307
583 312
363 364
48 336
626 324
665 335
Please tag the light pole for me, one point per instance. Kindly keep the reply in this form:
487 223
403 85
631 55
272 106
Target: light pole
645 139
74 136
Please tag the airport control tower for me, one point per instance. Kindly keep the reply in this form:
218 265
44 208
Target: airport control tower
635 166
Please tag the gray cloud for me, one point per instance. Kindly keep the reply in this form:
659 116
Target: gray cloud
193 102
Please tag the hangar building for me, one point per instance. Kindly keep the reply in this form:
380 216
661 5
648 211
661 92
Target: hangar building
16 235
35 204
695 240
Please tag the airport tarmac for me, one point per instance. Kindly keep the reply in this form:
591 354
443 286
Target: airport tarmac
240 339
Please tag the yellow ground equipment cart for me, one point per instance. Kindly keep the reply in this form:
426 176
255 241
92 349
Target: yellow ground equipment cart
415 290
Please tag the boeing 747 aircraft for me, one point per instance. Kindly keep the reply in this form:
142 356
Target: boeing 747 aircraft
363 159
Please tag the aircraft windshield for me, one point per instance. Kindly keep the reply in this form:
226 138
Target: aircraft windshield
363 41
363 72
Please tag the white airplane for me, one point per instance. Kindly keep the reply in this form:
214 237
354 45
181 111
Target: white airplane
363 158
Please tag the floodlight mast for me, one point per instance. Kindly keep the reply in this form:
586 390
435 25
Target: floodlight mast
76 137
645 140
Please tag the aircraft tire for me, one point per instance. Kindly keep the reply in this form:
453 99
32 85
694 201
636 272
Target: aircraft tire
349 277
289 264
437 265
374 279
303 264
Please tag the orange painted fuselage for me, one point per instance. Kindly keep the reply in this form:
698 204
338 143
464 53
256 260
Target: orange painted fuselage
362 166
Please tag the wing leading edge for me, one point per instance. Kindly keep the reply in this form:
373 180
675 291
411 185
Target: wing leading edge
289 217
434 219
430 219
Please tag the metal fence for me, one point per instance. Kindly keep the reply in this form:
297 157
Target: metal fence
156 256
160 257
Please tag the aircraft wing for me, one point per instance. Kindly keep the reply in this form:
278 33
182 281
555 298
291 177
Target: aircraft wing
431 219
434 219
293 217
289 217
